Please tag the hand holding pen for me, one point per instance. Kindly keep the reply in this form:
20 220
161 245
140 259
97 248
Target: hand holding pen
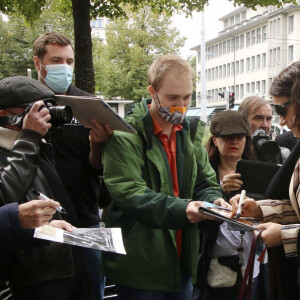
239 210
44 197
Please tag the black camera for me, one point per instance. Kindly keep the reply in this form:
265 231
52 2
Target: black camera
266 149
59 114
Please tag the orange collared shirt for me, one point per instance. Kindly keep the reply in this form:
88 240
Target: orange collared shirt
170 150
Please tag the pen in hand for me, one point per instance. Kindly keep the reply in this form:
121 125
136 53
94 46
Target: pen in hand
43 197
239 210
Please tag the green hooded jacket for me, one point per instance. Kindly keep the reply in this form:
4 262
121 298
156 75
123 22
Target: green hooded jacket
137 175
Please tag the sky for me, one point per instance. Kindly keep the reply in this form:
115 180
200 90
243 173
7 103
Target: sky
191 27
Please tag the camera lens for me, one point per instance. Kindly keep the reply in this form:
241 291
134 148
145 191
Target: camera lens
60 115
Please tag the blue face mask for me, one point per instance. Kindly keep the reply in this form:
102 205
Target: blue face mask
59 77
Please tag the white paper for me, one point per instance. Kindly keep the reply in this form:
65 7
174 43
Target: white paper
104 239
49 233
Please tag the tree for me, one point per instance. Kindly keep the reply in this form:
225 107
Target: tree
83 10
17 37
132 44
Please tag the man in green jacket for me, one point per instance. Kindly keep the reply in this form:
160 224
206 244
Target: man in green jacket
158 179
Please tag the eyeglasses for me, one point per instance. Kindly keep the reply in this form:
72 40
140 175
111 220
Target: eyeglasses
281 109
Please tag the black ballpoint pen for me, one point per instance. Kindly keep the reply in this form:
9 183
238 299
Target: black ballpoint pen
43 197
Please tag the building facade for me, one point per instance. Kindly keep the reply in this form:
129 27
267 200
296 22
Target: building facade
252 48
98 28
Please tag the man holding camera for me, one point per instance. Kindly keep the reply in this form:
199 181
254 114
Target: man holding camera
51 271
73 144
259 113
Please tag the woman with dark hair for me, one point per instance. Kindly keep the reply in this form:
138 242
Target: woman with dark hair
230 142
224 252
283 216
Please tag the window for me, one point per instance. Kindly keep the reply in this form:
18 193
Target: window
242 66
209 75
274 28
232 44
237 91
264 33
248 39
242 42
264 60
270 81
224 47
228 46
258 86
232 69
244 15
97 23
263 87
278 26
216 50
237 67
220 49
226 23
228 70
199 77
270 58
241 91
237 18
248 65
231 21
208 52
248 88
252 63
291 23
258 62
291 53
253 87
224 70
220 71
258 35
274 57
237 43
212 51
216 73
271 29
252 37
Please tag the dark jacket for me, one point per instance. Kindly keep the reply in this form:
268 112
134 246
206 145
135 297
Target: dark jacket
20 159
12 236
71 149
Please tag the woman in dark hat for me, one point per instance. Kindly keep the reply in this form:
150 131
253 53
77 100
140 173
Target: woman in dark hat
230 142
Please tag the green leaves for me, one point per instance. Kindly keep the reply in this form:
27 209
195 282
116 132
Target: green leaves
132 44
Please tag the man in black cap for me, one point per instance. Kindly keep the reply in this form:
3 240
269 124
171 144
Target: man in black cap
52 271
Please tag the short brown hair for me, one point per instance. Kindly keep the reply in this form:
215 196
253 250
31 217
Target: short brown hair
287 84
254 102
165 63
39 46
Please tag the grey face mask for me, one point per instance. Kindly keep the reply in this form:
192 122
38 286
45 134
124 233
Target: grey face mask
173 115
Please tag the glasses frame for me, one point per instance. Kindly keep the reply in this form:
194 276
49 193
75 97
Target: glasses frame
281 109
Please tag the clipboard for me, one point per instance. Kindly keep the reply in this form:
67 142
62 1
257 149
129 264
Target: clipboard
86 108
256 176
233 225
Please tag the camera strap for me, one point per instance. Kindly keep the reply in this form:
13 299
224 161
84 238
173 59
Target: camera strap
14 119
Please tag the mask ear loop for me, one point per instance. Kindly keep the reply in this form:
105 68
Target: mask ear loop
156 98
